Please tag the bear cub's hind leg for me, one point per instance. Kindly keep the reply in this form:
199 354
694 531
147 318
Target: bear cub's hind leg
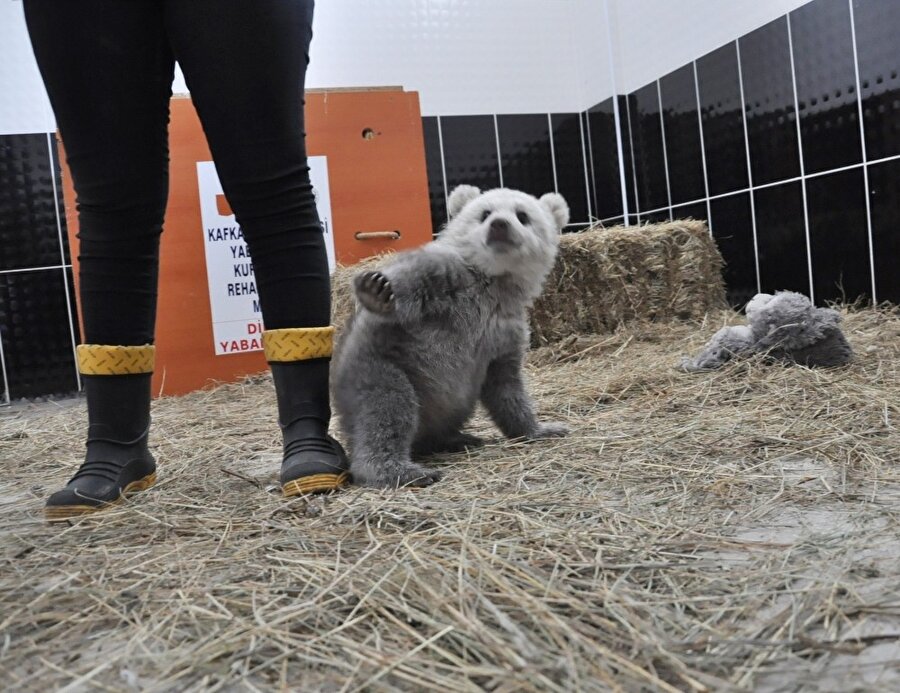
382 430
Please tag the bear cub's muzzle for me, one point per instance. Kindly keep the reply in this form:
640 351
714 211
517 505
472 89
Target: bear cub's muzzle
500 233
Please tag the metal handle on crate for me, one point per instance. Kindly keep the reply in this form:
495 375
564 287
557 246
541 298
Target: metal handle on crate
376 235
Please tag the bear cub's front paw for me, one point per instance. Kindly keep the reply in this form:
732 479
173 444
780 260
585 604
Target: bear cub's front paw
374 292
408 475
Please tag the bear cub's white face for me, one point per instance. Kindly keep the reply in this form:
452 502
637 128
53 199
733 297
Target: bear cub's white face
506 231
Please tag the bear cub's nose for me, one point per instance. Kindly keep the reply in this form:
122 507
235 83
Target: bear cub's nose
499 232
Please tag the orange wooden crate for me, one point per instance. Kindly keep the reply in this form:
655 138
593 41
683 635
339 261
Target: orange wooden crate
378 182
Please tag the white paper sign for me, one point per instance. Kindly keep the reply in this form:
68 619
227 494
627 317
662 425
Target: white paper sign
236 315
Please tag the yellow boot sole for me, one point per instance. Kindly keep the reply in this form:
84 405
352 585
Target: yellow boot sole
315 483
60 513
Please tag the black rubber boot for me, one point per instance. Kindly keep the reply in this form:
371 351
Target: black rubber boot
314 462
117 462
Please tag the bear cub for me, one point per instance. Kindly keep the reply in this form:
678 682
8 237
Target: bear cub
439 329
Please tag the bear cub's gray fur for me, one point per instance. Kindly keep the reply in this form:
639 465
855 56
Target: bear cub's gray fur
441 328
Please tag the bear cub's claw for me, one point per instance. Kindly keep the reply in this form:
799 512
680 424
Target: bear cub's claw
551 430
417 476
409 475
374 292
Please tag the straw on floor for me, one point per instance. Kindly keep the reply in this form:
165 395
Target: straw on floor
732 530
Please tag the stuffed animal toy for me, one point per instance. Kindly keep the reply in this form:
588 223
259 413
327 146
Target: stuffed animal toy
786 327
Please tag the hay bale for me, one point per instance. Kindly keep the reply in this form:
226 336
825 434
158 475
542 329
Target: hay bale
606 277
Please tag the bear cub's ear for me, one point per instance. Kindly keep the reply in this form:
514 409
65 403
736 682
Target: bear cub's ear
460 197
558 208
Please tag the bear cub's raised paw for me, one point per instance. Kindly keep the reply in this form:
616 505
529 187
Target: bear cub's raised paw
374 292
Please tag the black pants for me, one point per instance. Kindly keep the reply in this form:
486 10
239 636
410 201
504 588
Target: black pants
108 67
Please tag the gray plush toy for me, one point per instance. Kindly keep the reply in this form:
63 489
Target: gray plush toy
786 327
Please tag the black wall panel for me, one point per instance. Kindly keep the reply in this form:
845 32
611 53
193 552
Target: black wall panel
697 210
884 197
838 236
570 164
732 227
878 49
826 85
470 151
34 326
525 153
781 238
657 217
682 132
647 141
27 203
769 103
723 120
625 104
607 187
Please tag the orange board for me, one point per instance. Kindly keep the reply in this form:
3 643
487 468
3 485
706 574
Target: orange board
379 201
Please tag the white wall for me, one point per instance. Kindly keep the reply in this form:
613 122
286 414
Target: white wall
462 56
24 107
592 37
653 37
465 56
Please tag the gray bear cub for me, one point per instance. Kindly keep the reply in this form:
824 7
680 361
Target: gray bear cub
441 328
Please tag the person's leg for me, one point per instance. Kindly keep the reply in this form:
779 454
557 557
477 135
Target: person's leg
108 72
245 65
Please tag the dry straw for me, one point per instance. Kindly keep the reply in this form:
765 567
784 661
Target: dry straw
732 530
604 278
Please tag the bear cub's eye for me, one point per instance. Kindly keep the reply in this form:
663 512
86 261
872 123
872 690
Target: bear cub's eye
485 214
523 218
